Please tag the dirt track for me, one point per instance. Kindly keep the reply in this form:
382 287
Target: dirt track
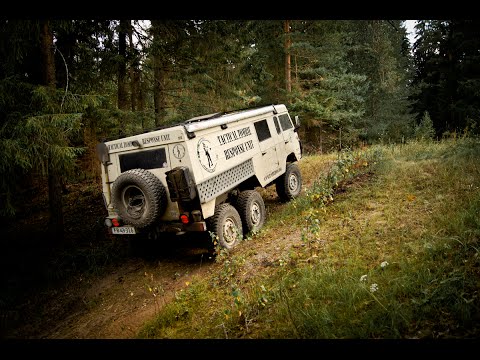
118 301
116 304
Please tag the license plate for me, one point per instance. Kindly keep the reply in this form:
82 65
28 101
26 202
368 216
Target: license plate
123 230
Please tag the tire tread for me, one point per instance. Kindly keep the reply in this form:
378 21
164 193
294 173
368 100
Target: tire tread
153 189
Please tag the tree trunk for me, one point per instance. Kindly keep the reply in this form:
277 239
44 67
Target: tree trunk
122 65
296 71
159 78
288 70
48 63
55 200
132 70
158 89
137 78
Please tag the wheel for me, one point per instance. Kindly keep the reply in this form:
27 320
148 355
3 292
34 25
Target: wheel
139 197
251 208
289 185
227 226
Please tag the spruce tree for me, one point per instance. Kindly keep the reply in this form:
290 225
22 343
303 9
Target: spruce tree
447 72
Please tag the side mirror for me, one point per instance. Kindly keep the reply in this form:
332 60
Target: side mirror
297 122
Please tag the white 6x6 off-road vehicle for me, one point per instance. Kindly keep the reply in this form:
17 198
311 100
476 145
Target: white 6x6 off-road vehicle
201 175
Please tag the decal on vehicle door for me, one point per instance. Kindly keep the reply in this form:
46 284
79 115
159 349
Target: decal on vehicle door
206 155
179 151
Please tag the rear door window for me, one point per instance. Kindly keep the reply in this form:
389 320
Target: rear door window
149 159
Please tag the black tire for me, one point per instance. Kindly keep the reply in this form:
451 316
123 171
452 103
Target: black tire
139 197
251 208
227 226
289 185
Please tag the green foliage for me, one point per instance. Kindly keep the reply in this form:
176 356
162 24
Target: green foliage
349 164
351 80
425 130
40 140
202 67
446 80
34 144
383 55
338 67
325 86
176 315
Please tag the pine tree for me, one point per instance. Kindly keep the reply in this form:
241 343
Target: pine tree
424 130
39 125
447 72
381 52
326 90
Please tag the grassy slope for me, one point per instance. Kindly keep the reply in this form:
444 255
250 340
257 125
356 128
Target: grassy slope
394 255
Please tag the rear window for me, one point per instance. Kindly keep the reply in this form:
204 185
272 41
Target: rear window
285 121
150 159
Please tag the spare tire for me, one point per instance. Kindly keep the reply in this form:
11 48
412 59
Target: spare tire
139 197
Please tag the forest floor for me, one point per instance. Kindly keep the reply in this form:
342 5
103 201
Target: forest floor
97 288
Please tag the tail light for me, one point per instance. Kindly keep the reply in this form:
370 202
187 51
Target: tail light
184 219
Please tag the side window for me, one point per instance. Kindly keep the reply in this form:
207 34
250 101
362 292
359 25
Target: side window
277 126
285 122
263 132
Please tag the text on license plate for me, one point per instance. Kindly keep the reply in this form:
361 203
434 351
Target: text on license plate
123 230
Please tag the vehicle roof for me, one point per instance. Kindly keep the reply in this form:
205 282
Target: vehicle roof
207 121
193 125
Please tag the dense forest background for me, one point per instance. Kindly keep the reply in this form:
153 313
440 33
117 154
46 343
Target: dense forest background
65 85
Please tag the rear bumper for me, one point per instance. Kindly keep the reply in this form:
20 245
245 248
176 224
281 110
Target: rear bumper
196 226
176 227
180 227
